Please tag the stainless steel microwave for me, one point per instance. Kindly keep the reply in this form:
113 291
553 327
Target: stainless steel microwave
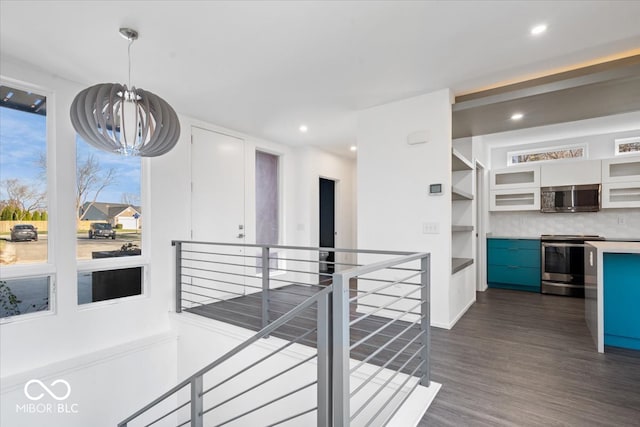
570 198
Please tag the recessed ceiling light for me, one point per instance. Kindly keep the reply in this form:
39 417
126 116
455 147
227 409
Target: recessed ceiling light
538 29
517 116
353 148
303 128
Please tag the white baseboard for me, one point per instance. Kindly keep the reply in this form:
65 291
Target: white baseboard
462 312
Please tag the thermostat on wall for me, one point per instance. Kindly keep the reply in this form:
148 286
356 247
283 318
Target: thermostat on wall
435 189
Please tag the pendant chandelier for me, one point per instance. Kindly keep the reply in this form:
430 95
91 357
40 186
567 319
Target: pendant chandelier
125 119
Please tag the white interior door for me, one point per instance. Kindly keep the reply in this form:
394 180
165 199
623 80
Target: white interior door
218 211
217 176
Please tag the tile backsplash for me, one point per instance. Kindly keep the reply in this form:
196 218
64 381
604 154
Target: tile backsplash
610 223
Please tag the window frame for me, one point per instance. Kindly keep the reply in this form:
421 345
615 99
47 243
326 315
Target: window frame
100 304
47 268
118 263
512 154
619 141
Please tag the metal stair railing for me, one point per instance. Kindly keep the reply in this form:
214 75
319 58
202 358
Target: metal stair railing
364 325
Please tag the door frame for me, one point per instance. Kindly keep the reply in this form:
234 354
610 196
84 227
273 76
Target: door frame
481 212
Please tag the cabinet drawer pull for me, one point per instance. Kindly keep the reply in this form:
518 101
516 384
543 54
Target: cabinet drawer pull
513 266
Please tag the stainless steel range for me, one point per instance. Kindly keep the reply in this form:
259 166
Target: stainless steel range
563 264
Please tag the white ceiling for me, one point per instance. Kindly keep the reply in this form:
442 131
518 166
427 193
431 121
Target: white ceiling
266 67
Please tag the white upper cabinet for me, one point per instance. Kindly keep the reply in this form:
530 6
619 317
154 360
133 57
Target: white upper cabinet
621 182
515 177
515 189
570 173
623 169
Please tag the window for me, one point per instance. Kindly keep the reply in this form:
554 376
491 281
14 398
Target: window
109 224
108 207
102 285
627 146
23 177
547 154
24 296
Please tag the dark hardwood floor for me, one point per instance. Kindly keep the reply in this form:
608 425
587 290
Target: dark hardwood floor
526 359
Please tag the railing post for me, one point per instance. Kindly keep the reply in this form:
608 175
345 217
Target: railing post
265 286
178 246
196 401
324 362
425 324
340 369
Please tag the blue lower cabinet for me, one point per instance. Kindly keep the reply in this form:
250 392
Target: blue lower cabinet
621 277
513 264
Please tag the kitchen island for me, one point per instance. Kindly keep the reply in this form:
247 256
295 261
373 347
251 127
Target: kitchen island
612 293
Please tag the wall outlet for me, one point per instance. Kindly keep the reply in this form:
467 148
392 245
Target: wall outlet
621 220
430 228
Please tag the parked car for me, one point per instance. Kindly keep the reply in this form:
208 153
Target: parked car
24 232
101 229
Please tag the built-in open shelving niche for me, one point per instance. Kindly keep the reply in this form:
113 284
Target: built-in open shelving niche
458 264
461 228
458 194
459 162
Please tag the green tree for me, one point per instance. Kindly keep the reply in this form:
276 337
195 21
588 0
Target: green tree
44 216
36 216
27 216
6 213
25 197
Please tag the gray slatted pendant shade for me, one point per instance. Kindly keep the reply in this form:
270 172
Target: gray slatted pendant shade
129 121
101 114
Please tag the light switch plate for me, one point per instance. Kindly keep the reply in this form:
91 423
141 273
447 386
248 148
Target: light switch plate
430 228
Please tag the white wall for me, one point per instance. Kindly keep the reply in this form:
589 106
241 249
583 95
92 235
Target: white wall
311 165
73 332
105 387
393 182
30 343
598 134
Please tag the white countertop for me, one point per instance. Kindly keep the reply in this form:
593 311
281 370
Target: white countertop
620 247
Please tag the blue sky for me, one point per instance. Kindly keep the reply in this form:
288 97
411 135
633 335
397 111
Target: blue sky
23 139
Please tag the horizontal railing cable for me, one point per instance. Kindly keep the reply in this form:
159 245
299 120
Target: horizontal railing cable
383 386
377 310
267 403
220 253
253 387
292 417
257 362
389 284
301 248
381 328
382 407
173 411
404 399
389 361
394 339
262 333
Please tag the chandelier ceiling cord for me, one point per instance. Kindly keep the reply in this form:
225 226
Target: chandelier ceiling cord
125 119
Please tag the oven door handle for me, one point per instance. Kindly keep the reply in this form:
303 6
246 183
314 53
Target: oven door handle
564 245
